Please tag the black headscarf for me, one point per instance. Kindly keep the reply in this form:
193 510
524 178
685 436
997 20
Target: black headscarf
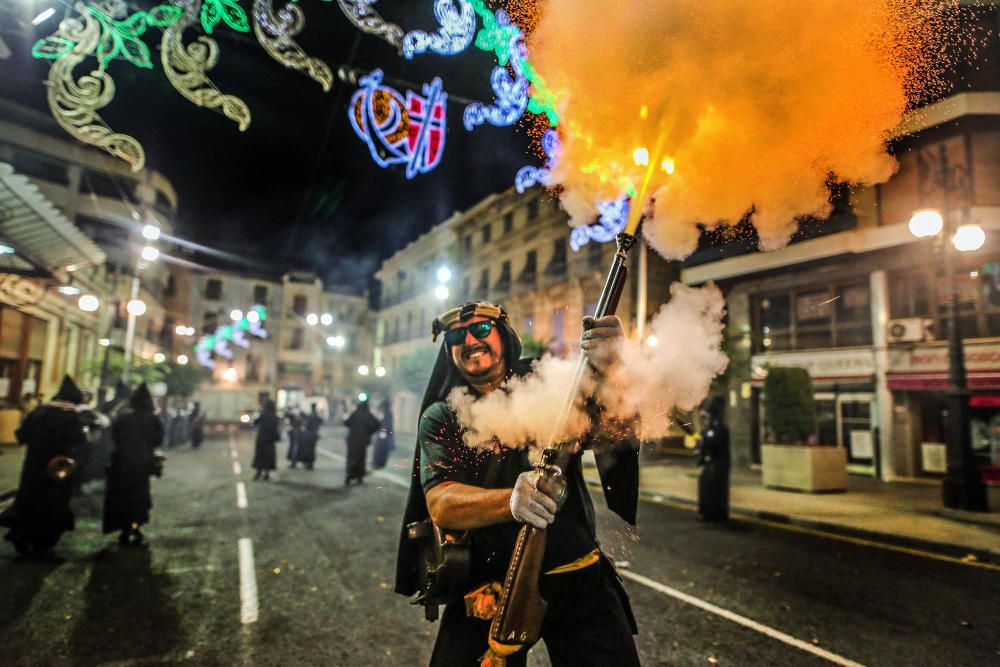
142 400
68 392
444 378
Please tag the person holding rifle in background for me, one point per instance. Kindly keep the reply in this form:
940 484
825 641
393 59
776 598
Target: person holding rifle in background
491 494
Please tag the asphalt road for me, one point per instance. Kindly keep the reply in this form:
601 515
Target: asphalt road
298 571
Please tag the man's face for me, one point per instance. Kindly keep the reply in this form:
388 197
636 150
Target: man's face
479 360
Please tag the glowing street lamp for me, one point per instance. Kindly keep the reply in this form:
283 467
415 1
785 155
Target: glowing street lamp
363 370
151 232
159 358
312 319
236 315
380 371
230 374
441 292
182 359
926 222
962 487
362 397
444 274
968 238
104 342
652 341
150 254
136 307
88 303
253 317
326 319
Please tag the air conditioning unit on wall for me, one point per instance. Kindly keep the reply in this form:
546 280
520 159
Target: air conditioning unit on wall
911 330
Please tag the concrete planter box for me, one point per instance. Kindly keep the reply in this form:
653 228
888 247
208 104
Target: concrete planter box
804 467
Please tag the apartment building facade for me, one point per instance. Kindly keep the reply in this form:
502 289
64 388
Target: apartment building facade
863 307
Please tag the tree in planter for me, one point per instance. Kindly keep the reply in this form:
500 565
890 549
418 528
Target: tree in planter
789 408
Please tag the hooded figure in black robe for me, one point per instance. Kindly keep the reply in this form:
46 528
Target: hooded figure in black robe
385 441
713 483
361 425
265 453
41 513
197 426
136 433
294 421
306 451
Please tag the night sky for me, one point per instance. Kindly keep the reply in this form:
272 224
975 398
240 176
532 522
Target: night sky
298 189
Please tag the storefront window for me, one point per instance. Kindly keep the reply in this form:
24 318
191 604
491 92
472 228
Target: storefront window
826 421
924 293
856 430
839 316
776 323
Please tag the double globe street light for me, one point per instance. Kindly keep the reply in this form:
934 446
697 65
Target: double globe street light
963 486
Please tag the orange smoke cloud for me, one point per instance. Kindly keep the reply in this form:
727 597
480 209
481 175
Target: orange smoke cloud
738 104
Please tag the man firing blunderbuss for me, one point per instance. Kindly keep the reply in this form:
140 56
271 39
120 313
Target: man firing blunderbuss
474 511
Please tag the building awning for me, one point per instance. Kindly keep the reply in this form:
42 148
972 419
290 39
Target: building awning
38 231
931 381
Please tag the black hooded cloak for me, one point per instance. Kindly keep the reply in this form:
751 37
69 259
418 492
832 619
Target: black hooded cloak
618 469
265 455
361 426
135 433
41 512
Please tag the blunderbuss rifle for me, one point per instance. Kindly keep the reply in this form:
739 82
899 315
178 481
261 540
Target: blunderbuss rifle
521 609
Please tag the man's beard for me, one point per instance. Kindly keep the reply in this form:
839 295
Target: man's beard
487 375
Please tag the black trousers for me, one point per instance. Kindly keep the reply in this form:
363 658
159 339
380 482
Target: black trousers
588 622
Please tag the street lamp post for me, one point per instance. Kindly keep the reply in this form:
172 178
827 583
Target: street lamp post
962 487
130 328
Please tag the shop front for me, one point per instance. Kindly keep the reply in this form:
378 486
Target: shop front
918 379
846 404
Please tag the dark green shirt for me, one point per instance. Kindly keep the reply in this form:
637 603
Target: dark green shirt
444 457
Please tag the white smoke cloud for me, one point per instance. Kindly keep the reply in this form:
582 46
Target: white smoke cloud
647 382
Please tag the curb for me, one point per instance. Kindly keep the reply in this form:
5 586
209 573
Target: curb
941 548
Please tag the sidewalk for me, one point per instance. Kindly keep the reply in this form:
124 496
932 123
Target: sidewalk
903 513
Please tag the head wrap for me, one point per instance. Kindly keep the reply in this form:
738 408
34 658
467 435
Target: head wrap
445 376
68 392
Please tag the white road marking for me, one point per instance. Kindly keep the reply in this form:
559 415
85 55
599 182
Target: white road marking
741 620
248 583
241 495
232 453
387 476
237 470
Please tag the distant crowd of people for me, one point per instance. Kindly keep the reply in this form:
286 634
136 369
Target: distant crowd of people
303 431
70 442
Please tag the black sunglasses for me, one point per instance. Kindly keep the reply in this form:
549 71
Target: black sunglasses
479 330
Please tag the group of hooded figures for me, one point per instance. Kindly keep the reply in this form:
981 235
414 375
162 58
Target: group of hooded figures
303 434
63 439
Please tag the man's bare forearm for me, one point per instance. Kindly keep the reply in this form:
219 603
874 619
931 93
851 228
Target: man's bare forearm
455 506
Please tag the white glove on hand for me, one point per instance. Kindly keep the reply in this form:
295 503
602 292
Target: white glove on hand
530 505
602 341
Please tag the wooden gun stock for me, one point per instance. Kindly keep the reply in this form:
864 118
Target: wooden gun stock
518 621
